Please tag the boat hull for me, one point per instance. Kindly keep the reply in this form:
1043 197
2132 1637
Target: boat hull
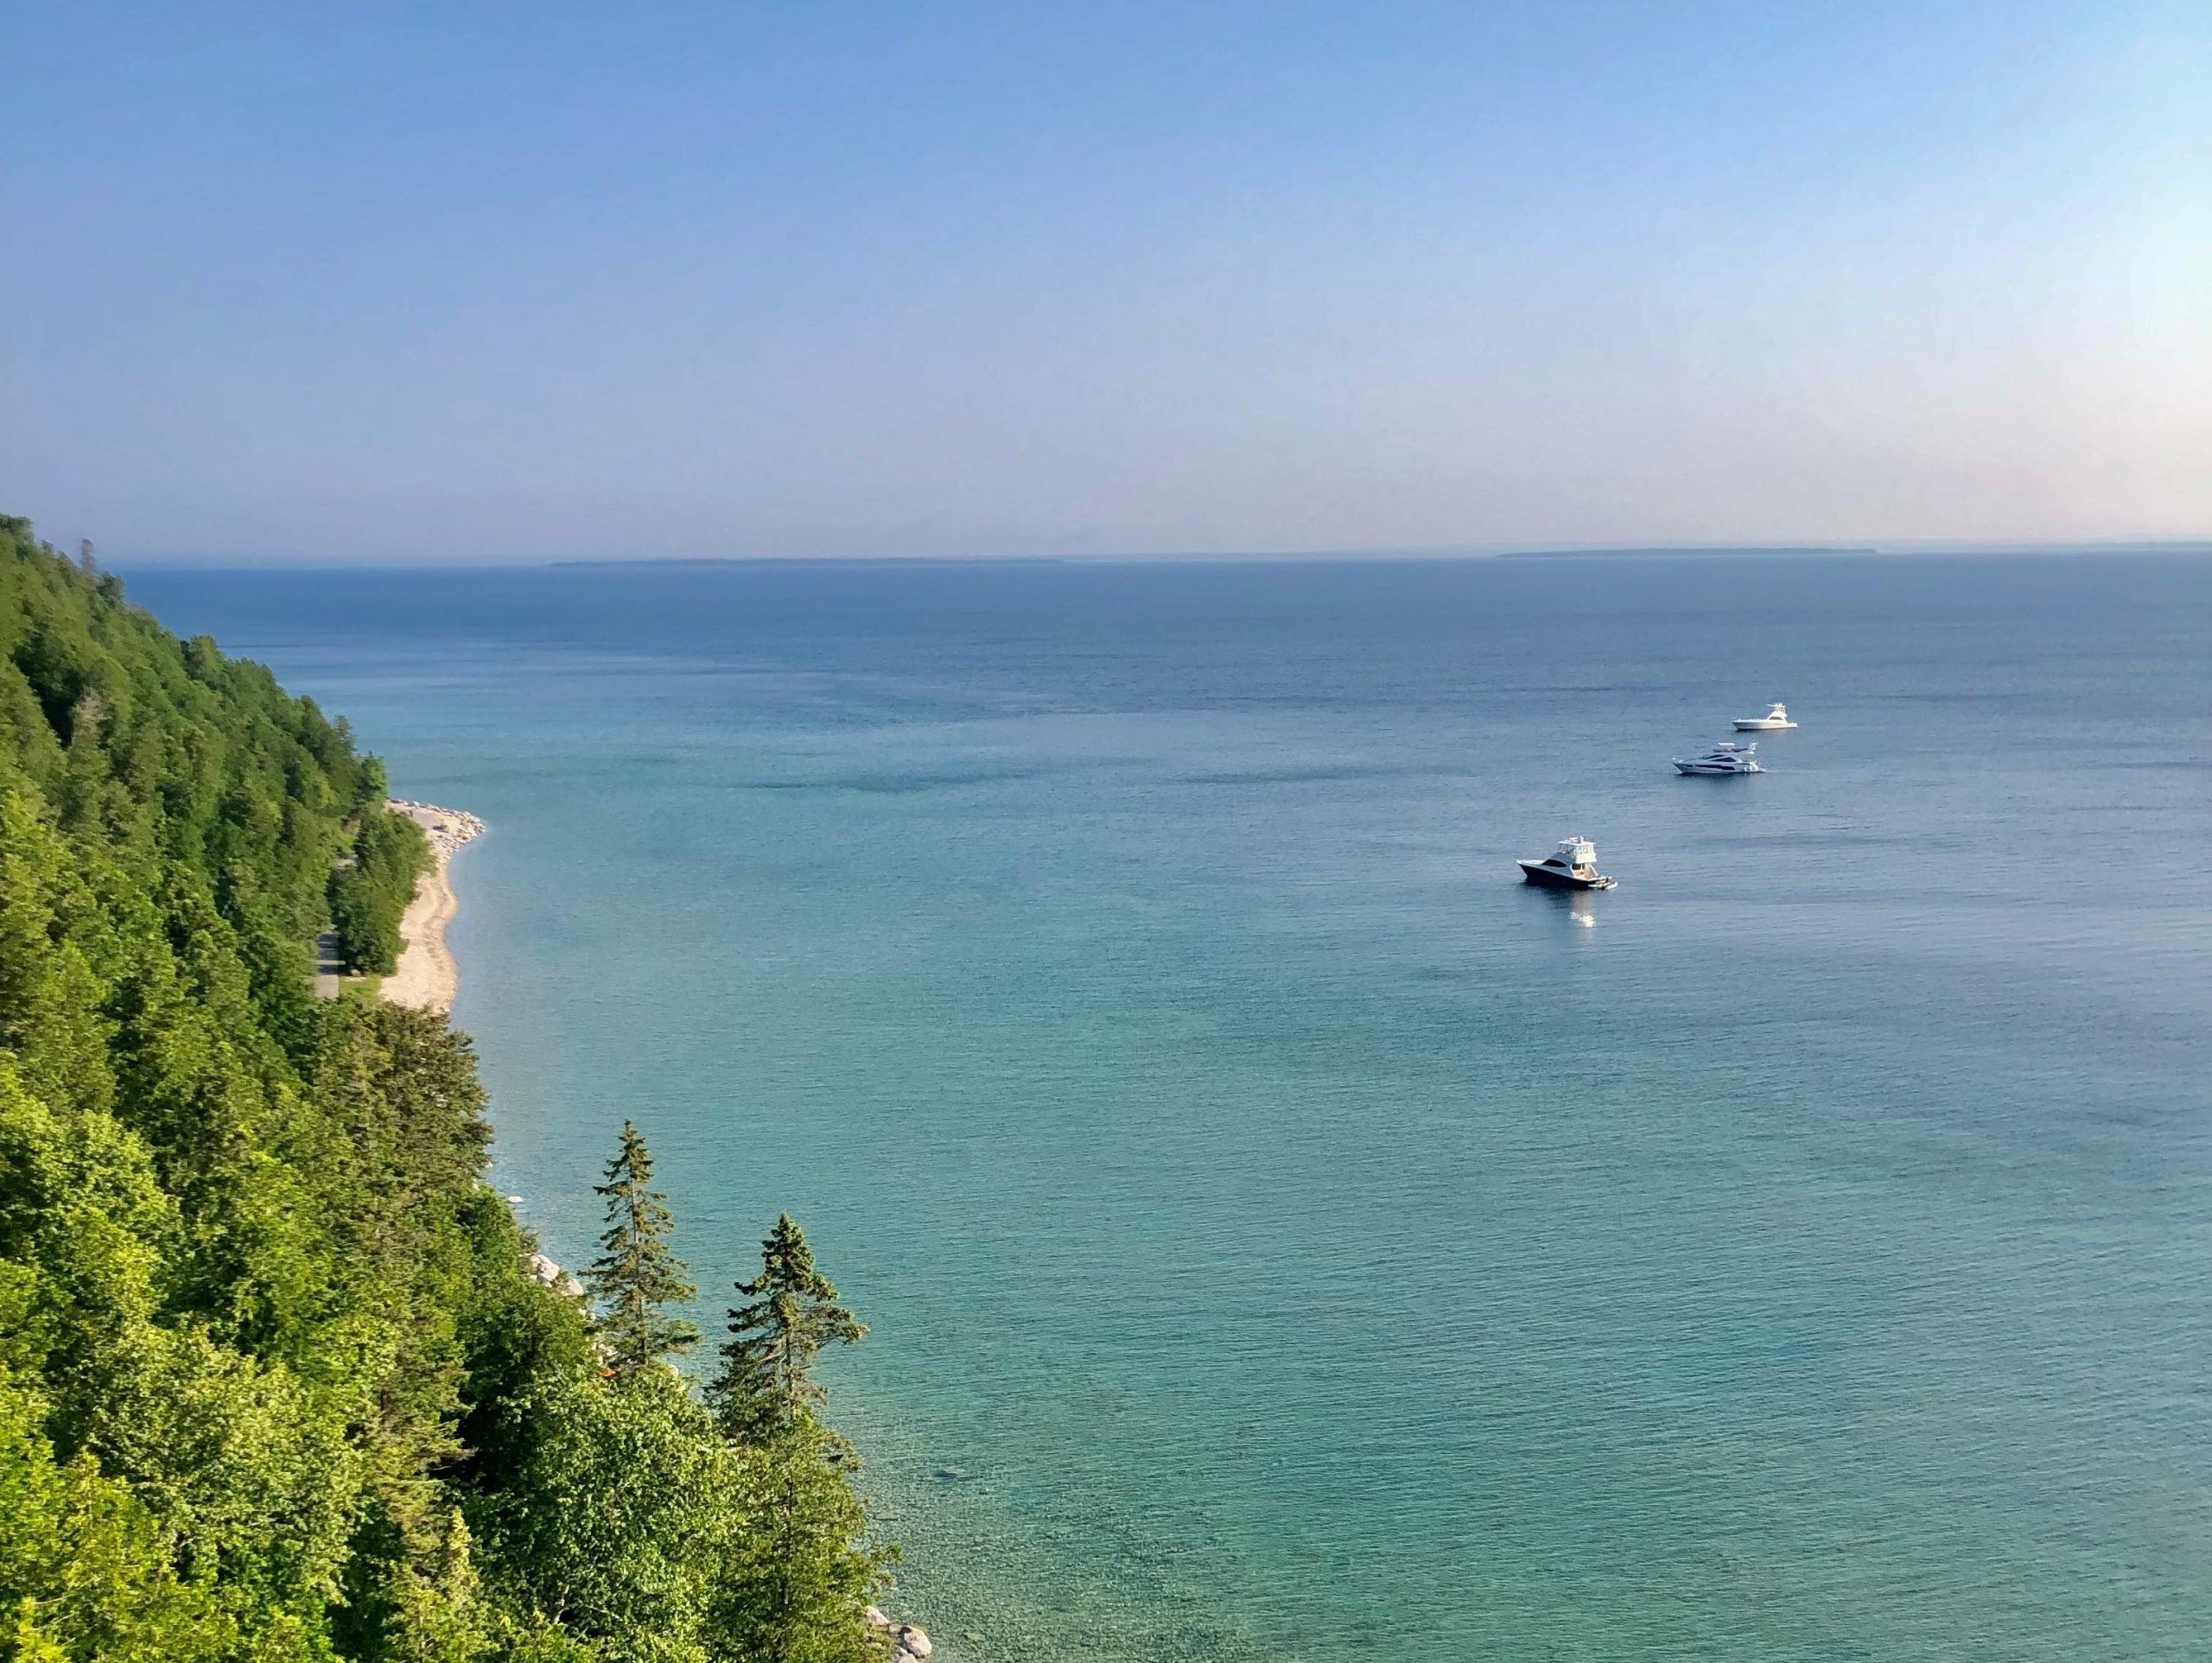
1544 877
1749 725
1704 772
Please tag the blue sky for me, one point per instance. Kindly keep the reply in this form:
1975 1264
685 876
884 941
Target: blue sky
466 282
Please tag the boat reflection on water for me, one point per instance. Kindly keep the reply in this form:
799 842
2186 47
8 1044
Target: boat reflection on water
1578 906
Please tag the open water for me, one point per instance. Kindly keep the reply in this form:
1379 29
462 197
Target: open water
1284 1236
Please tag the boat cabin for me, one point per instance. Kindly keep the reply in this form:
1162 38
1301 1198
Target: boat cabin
1578 854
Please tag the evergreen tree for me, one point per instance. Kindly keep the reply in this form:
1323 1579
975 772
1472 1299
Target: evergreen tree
637 1275
796 1586
765 1387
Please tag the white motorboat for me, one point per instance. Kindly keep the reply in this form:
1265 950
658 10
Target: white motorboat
1575 866
1777 718
1726 758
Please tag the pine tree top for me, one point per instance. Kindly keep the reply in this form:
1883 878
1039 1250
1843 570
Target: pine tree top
765 1387
637 1274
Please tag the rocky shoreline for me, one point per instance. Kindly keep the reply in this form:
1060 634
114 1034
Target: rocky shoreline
447 828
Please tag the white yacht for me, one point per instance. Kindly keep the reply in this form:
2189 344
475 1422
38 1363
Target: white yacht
1777 718
1575 866
1726 758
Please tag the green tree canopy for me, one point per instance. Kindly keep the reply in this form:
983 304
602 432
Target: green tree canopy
637 1275
766 1386
797 1579
370 892
277 1384
800 1577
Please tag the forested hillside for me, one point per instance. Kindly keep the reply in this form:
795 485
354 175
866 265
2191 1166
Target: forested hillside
275 1381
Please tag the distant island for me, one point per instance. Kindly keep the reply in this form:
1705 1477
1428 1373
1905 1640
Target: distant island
1201 558
1734 551
685 562
1384 555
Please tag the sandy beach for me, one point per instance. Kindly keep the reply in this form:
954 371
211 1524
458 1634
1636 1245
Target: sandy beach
426 976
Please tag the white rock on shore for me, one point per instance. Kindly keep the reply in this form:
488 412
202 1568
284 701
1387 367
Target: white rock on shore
447 828
546 1273
909 1644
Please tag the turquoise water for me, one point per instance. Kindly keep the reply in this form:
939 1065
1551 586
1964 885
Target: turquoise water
1285 1235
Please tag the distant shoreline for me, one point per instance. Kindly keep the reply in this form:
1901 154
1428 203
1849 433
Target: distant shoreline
1321 556
1719 550
427 978
1410 554
201 564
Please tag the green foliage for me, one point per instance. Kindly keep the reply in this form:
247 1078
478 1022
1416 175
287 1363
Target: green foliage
615 1528
275 1383
797 1583
86 1572
801 1577
369 894
765 1387
637 1275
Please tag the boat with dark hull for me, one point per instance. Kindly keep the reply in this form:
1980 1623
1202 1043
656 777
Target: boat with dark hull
1726 758
1575 866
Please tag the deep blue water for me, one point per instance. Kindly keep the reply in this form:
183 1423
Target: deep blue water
1284 1235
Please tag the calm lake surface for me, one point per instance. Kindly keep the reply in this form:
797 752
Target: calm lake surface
1284 1235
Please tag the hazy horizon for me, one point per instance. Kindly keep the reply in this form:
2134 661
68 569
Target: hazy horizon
513 285
2196 548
